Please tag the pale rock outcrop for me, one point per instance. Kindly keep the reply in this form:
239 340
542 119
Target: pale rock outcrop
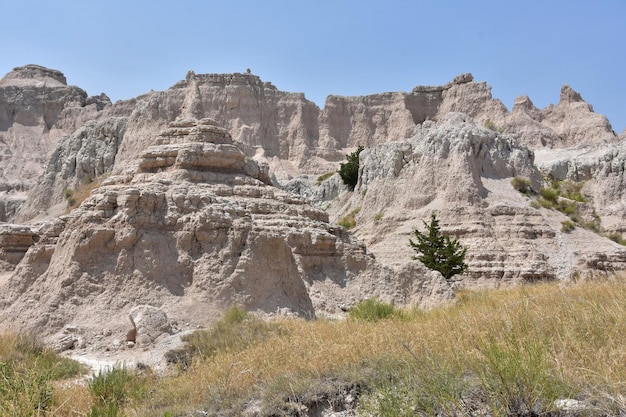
283 130
149 323
572 122
15 240
193 229
601 169
80 158
37 108
463 173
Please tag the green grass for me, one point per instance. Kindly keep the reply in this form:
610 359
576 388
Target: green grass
373 310
28 372
349 221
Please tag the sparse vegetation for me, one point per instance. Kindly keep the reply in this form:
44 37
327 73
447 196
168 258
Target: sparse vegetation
379 216
374 310
566 197
110 391
438 251
617 238
75 197
69 197
489 124
324 177
235 331
27 374
522 184
567 226
349 220
494 352
349 171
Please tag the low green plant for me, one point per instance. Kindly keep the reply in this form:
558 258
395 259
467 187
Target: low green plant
324 177
69 196
617 238
515 374
379 216
24 392
110 389
567 226
522 184
424 385
372 309
27 373
571 190
489 124
550 195
349 220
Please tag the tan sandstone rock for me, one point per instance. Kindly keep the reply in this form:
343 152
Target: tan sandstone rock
194 229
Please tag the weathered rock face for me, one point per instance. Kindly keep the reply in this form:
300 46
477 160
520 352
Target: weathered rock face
601 169
197 225
282 129
463 173
37 108
188 214
571 122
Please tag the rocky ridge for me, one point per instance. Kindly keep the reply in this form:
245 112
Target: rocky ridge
217 174
463 172
37 108
194 229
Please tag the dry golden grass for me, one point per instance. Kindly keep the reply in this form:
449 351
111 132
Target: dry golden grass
519 348
572 337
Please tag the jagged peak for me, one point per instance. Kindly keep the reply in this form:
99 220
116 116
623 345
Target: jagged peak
34 74
569 95
524 102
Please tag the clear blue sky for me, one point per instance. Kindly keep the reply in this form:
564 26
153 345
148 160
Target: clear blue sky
322 47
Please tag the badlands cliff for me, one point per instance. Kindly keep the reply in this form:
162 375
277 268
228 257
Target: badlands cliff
209 197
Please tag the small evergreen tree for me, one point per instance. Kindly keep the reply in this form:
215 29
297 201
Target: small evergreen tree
349 171
437 251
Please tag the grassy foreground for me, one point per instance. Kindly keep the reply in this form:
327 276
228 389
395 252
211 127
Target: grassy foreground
497 352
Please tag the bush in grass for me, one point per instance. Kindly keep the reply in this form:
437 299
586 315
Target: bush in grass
373 310
110 389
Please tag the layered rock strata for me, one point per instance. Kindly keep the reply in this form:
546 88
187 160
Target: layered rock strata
463 173
195 228
285 130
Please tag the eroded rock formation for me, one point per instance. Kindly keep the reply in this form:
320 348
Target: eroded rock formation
190 211
463 172
37 108
197 225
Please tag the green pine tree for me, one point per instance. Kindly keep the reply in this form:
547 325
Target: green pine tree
437 251
349 171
